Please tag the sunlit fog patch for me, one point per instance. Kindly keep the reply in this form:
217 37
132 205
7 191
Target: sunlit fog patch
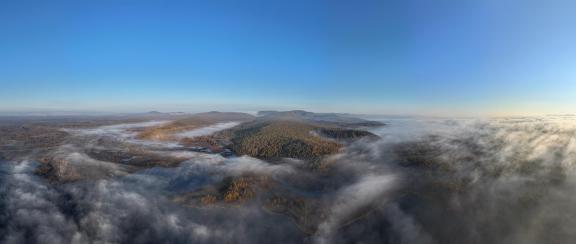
195 161
125 133
207 130
120 130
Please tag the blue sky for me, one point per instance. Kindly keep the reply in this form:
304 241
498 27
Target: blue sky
473 57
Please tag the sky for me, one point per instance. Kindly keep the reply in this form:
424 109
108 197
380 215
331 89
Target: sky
470 57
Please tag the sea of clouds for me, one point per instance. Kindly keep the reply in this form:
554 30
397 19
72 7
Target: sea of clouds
509 180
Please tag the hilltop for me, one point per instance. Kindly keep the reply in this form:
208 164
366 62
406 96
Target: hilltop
292 134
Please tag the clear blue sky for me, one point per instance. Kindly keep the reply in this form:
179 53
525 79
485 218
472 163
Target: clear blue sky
365 56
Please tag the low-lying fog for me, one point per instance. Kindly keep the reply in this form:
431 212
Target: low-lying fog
208 129
425 181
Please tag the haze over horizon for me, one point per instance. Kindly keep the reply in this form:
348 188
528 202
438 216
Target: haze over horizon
475 57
